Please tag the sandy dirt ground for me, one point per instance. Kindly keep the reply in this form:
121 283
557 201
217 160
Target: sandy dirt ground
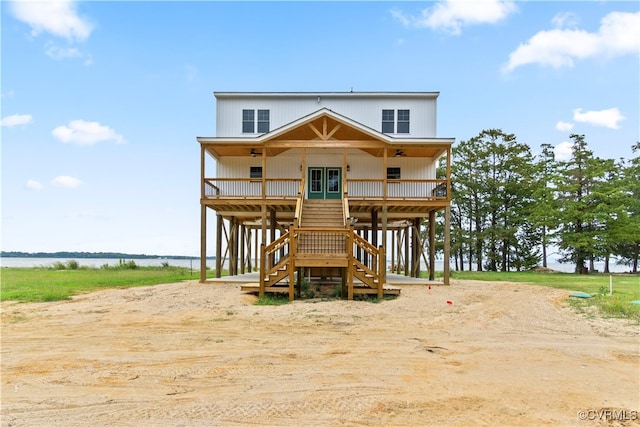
191 354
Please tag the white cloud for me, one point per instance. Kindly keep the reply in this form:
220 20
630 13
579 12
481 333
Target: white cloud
564 20
81 132
608 118
619 34
564 126
33 185
452 15
64 181
563 151
16 120
58 53
56 17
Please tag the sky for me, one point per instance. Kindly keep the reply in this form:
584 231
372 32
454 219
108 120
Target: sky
102 101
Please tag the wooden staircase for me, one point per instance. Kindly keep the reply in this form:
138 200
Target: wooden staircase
322 238
319 241
322 214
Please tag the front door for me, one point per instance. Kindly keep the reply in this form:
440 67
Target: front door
325 183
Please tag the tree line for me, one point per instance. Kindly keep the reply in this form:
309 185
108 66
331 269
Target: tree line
509 206
82 255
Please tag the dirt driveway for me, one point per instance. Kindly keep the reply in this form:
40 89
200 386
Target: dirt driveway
189 354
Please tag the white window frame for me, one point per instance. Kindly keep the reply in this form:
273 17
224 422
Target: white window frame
256 121
395 122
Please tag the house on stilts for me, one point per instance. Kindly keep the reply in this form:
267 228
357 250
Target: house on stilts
324 184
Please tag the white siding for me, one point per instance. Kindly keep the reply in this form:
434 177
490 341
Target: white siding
361 165
365 109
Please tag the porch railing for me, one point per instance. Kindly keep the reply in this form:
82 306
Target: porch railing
251 187
290 188
402 189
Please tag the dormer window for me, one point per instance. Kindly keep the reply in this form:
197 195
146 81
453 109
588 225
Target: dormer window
395 123
252 119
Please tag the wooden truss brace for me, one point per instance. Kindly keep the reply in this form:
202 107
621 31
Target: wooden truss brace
421 245
324 135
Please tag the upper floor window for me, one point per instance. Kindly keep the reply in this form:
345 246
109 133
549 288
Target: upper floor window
251 120
263 121
391 125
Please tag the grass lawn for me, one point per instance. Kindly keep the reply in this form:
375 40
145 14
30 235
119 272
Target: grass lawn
47 284
50 284
626 288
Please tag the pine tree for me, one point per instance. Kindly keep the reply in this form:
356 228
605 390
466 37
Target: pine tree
627 244
579 225
543 211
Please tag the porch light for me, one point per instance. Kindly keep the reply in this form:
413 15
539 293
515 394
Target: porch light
348 168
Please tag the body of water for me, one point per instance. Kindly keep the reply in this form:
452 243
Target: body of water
194 263
99 262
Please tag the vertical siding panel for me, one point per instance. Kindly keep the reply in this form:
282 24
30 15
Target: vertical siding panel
366 110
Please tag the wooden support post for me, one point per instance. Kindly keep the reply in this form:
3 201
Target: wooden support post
383 261
203 221
351 266
248 242
263 270
432 244
414 245
417 247
365 255
406 251
272 226
447 243
374 237
203 243
257 247
374 227
243 231
393 251
380 272
263 236
292 250
233 246
219 232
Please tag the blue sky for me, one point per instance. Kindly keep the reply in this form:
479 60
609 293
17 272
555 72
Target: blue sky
102 101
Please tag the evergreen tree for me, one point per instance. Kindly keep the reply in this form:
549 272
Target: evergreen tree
468 199
627 240
579 226
492 177
543 211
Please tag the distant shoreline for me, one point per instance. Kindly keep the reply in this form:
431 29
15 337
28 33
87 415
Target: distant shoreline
81 255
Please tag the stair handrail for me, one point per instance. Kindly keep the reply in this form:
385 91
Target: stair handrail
297 216
377 271
266 252
345 211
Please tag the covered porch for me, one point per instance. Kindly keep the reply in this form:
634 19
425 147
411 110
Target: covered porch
265 181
